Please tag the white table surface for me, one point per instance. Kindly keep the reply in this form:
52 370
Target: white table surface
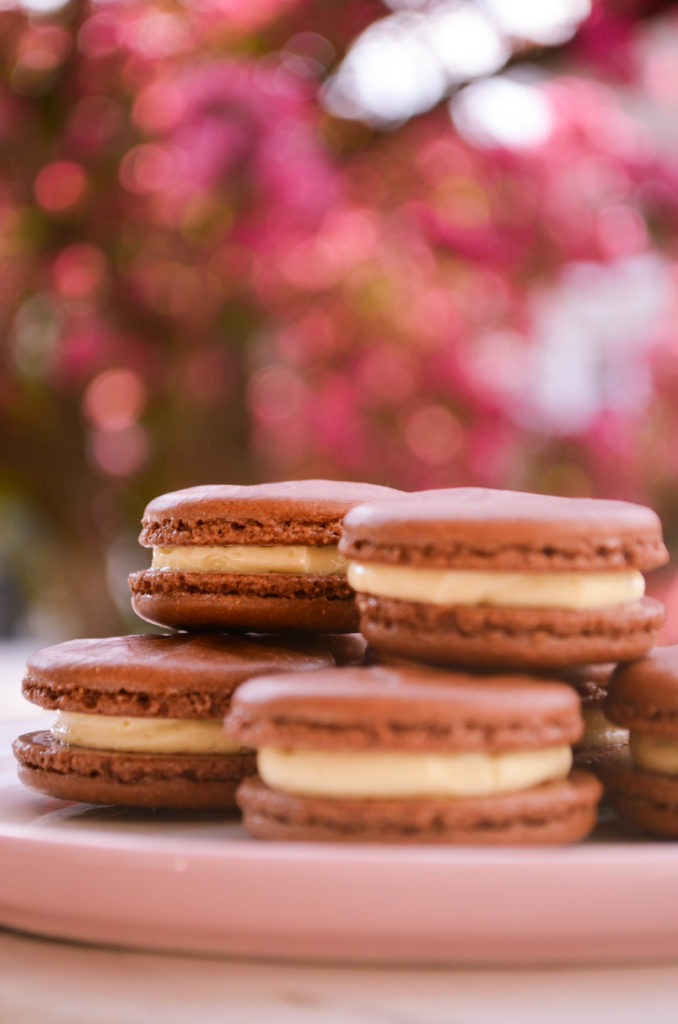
50 982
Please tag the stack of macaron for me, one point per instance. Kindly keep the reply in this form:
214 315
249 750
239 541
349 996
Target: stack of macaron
253 579
494 621
474 603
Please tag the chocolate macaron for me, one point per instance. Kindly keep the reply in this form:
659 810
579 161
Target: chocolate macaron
259 558
643 698
412 755
603 742
499 578
139 718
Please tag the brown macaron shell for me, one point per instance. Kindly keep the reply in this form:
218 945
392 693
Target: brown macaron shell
506 531
176 676
187 677
643 697
491 637
289 512
306 512
478 528
171 781
555 812
647 800
591 683
244 601
414 709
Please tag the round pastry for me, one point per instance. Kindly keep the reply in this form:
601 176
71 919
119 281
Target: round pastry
412 754
643 698
498 578
258 558
603 742
139 718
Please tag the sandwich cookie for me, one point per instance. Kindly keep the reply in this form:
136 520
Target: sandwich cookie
257 558
139 718
603 742
412 755
643 698
503 579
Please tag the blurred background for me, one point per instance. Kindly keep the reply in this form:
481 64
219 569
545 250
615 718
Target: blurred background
416 243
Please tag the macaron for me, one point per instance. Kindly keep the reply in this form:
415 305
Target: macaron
413 755
643 698
139 718
489 578
258 558
603 742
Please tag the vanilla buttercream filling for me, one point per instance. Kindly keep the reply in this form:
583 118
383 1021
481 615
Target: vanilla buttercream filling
599 732
379 774
292 558
143 735
576 590
654 753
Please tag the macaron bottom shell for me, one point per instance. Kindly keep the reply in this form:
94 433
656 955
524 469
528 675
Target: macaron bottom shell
170 781
647 800
259 602
491 637
557 812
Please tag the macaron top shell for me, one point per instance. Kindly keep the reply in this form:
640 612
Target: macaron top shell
413 708
590 682
643 695
289 512
477 528
182 675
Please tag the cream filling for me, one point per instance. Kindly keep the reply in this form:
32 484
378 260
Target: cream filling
328 773
654 754
599 732
143 735
503 589
295 558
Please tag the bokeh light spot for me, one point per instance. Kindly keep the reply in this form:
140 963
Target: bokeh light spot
114 399
502 112
120 452
158 107
147 168
621 229
60 186
79 271
275 393
98 37
433 434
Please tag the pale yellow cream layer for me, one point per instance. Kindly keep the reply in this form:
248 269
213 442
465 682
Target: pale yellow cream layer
599 732
502 589
143 735
385 774
294 558
654 754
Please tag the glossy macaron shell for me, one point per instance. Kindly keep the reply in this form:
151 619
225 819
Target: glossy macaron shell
643 695
289 512
409 709
590 681
180 675
478 528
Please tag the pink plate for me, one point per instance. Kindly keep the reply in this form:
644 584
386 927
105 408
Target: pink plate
200 885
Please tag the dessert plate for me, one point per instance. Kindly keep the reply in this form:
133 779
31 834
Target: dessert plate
199 884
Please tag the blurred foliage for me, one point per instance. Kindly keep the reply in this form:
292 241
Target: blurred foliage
206 277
